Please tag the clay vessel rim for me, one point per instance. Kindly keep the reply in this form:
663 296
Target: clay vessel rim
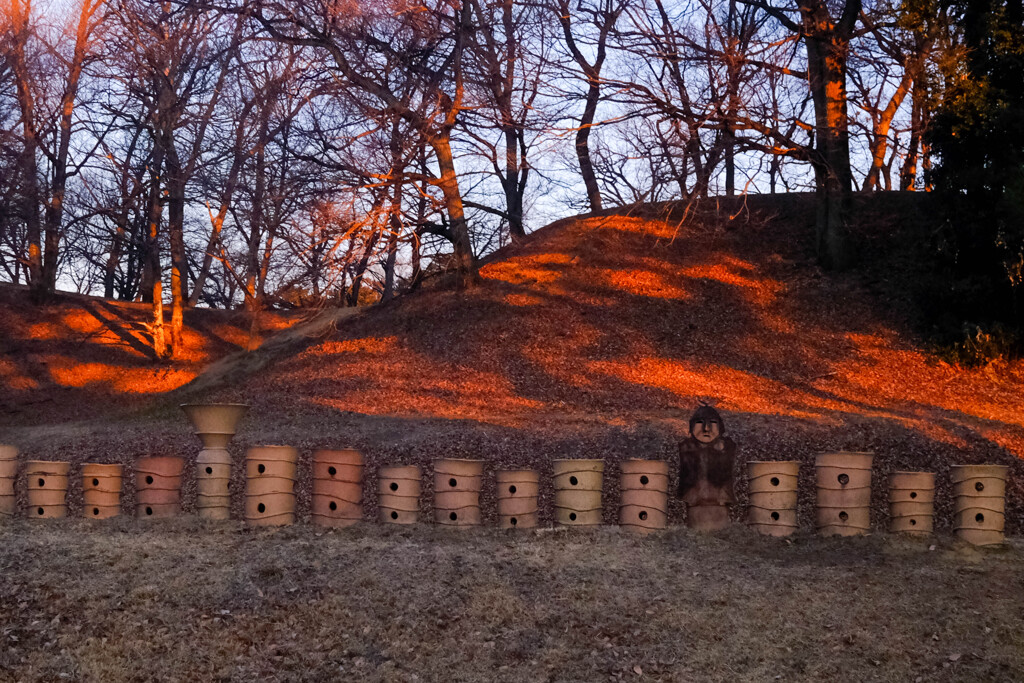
773 462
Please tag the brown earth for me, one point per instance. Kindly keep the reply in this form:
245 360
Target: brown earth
129 601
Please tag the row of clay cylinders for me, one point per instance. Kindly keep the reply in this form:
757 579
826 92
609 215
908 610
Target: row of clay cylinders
270 485
979 502
8 472
844 493
773 491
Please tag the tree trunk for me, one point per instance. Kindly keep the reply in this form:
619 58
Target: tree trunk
827 50
583 145
153 275
179 260
449 185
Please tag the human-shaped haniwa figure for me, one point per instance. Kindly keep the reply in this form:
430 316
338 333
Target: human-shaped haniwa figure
705 471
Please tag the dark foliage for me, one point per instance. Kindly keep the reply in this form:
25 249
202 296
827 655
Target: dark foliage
978 136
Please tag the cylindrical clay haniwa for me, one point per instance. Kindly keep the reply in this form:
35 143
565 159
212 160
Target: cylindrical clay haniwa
270 485
158 486
101 490
979 500
844 493
47 488
399 499
457 491
643 507
337 487
517 498
578 485
215 425
911 502
8 474
773 491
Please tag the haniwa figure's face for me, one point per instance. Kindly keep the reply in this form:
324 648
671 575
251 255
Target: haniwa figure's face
706 431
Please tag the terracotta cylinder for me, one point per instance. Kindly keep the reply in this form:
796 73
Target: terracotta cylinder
8 473
270 485
911 502
158 486
337 487
773 495
979 503
399 499
213 483
844 493
578 485
215 423
457 492
517 498
101 490
643 506
47 488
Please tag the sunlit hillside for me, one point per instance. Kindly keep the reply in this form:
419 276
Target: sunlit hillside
599 337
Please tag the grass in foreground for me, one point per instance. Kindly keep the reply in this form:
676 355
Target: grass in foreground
185 601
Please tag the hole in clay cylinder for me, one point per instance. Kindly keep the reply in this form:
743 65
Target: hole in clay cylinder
913 494
394 486
394 515
979 486
844 479
573 480
643 514
513 521
512 488
42 482
644 480
453 516
261 468
979 518
261 508
572 516
333 505
209 470
775 481
149 479
149 511
42 511
452 482
775 516
332 470
913 522
95 511
95 482
844 516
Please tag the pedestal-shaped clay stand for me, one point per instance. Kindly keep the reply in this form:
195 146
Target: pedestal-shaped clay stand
158 486
270 485
101 490
517 498
8 475
337 487
643 506
911 503
215 425
47 488
457 492
399 494
772 494
979 503
578 485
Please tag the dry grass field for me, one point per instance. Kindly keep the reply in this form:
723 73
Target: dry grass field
184 601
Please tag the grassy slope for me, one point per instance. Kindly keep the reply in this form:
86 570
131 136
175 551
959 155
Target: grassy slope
598 337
